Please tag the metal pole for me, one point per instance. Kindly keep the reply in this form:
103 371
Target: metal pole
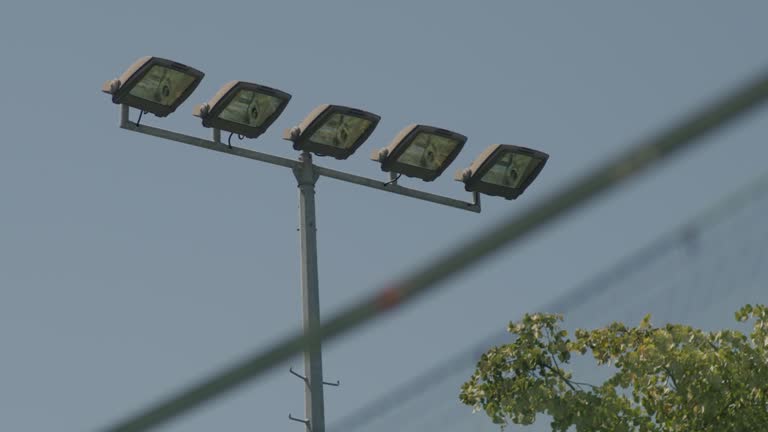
125 112
313 362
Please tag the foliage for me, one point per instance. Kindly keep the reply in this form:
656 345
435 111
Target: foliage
665 379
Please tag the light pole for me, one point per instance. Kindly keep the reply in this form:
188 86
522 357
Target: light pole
159 86
314 402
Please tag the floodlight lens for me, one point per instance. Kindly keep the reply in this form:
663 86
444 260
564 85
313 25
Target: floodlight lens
250 108
162 85
428 151
511 169
340 130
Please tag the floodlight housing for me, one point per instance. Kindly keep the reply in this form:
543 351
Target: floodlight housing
155 85
420 151
503 170
243 108
333 130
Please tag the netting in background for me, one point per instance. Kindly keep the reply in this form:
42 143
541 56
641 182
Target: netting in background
698 275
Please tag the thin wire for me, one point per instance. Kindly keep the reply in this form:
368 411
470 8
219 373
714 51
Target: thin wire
637 159
394 180
229 140
141 112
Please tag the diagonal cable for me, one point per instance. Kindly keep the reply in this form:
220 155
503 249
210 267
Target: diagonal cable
638 158
582 294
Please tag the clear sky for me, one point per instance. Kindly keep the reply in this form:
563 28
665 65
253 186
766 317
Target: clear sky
130 267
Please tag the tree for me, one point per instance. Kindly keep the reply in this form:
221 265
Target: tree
664 379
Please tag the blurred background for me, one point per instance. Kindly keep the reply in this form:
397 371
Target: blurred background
131 267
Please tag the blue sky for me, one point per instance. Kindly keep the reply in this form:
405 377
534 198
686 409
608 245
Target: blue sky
130 266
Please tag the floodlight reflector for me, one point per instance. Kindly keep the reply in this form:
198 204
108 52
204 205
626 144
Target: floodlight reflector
333 130
503 170
155 85
420 151
244 108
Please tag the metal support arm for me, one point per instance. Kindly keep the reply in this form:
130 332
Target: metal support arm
211 145
216 145
397 189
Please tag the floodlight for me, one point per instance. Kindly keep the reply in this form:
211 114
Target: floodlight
333 130
503 170
155 85
420 151
243 108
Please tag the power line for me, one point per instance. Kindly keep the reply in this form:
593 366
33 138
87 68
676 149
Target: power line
639 158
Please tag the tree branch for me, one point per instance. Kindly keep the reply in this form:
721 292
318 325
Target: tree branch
558 370
670 376
560 375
